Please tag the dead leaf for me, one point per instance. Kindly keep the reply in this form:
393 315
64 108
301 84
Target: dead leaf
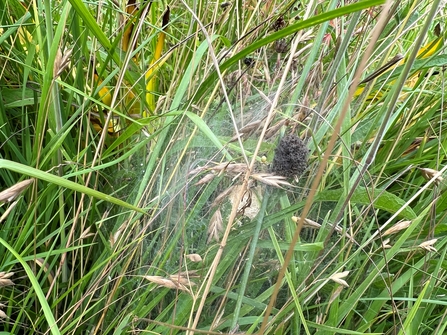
249 205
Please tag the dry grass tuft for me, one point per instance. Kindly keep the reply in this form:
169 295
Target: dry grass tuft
271 179
14 191
215 227
179 281
4 279
401 225
428 245
338 278
429 174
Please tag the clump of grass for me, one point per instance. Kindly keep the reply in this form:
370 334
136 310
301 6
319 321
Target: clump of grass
132 171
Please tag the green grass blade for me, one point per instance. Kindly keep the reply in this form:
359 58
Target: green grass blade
38 174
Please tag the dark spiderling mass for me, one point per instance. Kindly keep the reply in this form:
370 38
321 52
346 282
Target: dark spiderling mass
290 157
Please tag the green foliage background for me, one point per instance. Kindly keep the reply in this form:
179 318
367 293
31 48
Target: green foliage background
127 195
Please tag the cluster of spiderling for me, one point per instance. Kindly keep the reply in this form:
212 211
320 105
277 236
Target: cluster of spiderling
290 158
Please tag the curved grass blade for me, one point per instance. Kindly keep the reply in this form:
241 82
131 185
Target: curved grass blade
38 174
381 199
35 283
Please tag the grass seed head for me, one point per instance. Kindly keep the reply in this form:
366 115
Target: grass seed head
14 191
4 279
215 227
401 225
338 278
429 174
428 245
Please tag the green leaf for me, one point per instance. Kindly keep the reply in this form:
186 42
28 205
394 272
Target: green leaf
380 199
298 247
35 283
13 98
35 173
418 65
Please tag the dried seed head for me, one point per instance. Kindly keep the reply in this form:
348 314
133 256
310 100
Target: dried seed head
4 279
429 174
290 157
215 227
194 258
208 177
14 191
271 179
338 278
428 245
401 225
386 244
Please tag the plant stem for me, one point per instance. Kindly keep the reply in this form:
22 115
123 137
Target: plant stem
251 253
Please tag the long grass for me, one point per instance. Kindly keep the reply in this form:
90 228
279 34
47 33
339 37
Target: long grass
138 196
